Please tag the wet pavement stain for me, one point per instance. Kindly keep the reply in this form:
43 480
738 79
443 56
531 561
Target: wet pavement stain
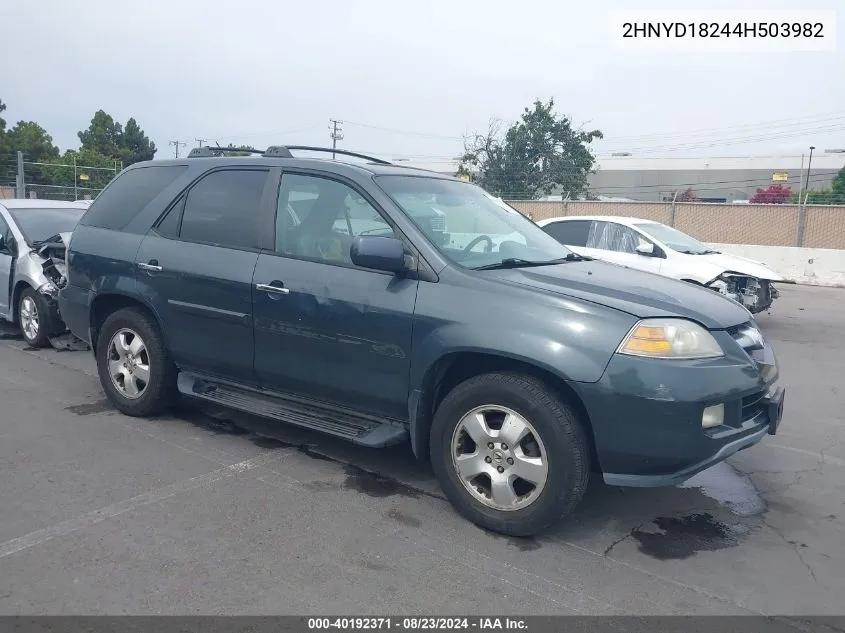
268 442
404 519
683 537
728 487
321 486
90 408
375 485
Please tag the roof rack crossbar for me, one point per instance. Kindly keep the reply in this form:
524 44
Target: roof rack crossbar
283 151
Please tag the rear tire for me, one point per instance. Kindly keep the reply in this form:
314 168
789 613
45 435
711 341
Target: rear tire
551 451
134 364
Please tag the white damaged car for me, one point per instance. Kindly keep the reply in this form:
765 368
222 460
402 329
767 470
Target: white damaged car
34 235
655 247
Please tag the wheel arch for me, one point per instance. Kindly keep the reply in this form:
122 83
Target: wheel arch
107 303
452 368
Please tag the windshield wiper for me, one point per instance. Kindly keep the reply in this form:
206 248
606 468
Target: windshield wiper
704 252
516 262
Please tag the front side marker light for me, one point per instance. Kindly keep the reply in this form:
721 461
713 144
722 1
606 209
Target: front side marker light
713 416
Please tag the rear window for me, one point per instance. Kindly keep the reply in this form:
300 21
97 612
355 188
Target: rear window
124 198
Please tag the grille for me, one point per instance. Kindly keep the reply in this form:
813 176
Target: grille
752 405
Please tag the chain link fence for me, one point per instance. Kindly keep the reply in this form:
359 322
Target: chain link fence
60 179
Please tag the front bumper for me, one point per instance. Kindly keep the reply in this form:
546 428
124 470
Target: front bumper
646 415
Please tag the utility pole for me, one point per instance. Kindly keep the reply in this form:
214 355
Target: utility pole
176 144
201 141
336 133
807 183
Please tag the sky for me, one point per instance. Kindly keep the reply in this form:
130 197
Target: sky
410 79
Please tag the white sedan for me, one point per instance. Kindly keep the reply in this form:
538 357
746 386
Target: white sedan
655 247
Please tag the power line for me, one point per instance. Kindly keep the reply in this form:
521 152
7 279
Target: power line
200 141
176 144
336 133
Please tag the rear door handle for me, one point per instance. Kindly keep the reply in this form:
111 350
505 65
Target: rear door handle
152 265
276 289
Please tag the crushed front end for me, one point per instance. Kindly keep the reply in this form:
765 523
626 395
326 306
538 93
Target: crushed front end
756 295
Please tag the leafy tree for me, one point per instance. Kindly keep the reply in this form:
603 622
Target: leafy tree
838 187
2 120
37 147
775 193
104 135
538 154
109 138
135 145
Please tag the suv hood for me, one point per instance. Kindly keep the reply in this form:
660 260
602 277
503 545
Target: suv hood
638 293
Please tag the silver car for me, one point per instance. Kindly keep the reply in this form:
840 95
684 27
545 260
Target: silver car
33 242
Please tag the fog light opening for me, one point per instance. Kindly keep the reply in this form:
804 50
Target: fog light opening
713 416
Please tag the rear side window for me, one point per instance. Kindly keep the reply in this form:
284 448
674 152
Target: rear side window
223 208
570 233
124 198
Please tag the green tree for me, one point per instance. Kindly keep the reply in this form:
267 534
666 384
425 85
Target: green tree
37 147
2 120
838 187
109 138
135 145
539 154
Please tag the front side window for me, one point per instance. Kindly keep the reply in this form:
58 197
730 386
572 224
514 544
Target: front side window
610 236
317 218
6 234
467 225
223 209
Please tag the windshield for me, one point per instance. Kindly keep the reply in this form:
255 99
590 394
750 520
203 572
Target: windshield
39 224
468 226
674 239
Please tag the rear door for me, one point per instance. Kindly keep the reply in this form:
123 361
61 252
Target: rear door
571 233
196 268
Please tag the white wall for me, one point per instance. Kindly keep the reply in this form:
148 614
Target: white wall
813 266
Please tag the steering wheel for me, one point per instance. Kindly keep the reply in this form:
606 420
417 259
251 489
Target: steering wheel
480 238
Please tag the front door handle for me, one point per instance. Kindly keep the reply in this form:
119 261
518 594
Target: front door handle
276 289
152 266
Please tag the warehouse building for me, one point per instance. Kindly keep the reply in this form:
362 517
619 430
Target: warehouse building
726 179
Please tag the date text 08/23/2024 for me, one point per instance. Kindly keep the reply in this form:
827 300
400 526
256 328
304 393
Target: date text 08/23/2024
417 623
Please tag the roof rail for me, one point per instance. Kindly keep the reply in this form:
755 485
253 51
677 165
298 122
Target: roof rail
283 151
209 152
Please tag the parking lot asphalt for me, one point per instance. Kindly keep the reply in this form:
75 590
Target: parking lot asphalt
213 512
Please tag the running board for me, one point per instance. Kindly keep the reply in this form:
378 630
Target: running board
340 422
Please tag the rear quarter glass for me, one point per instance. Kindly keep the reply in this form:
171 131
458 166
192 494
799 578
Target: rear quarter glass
126 196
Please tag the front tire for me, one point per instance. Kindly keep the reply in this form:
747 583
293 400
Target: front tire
33 319
510 454
134 364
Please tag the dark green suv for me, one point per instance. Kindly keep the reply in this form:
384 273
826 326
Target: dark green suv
385 304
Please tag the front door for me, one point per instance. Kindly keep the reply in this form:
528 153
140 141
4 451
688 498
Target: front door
6 258
196 265
617 243
324 328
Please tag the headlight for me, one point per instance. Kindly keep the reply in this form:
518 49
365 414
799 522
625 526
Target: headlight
670 338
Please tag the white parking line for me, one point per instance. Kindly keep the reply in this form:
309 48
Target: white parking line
122 507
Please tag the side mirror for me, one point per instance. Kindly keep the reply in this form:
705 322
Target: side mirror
3 246
378 253
646 249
